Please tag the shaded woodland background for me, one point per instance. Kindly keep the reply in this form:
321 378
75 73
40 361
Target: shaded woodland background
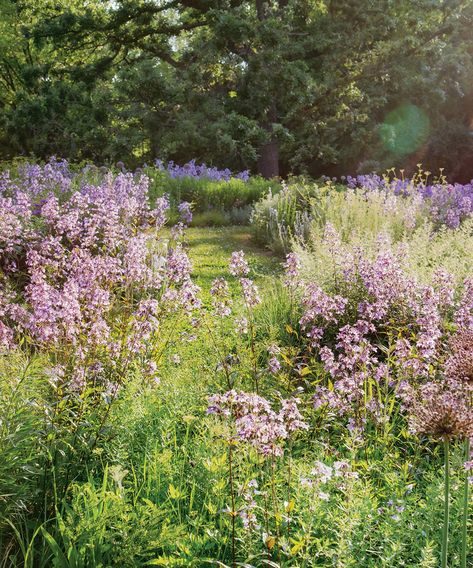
278 87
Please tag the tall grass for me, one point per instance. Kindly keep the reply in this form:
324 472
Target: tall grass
231 199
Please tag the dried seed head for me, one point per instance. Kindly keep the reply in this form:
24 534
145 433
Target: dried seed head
459 365
442 410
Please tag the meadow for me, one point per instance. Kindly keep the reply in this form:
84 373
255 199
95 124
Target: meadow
200 368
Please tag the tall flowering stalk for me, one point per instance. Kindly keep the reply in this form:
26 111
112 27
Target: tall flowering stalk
444 412
466 505
446 493
254 423
239 267
459 367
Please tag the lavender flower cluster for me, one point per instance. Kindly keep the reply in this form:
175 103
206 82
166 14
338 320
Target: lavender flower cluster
445 204
256 423
200 171
239 267
74 260
35 179
381 325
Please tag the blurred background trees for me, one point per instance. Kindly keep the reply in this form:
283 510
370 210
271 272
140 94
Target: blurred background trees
277 86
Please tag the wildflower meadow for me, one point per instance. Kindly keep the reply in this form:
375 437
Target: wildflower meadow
236 283
178 395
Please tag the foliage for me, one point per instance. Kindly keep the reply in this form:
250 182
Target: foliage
230 198
362 207
252 419
288 86
279 218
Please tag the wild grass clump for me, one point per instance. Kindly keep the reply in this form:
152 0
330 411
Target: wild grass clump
278 218
359 207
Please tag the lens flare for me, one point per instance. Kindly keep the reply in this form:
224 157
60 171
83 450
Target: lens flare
405 130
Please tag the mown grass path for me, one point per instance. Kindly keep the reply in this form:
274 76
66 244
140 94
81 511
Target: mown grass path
210 250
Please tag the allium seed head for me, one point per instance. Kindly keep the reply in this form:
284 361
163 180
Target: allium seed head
459 365
442 411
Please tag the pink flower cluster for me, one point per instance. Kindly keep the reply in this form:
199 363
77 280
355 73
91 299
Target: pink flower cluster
256 423
239 267
221 300
75 257
292 268
381 322
238 264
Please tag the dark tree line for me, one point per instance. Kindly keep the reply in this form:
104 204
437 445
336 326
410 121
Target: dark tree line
277 86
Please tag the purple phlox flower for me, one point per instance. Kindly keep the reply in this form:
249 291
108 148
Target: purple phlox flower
250 292
238 264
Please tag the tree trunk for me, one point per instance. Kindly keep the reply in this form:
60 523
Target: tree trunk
268 161
260 9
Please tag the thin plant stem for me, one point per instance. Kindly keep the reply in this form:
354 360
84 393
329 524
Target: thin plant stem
446 514
266 516
289 480
232 494
221 357
466 496
252 346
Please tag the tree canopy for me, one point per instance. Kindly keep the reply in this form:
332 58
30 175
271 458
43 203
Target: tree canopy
277 86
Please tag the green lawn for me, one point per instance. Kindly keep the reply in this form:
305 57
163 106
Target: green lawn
210 250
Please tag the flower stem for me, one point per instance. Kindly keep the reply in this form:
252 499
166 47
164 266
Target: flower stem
466 495
232 493
446 514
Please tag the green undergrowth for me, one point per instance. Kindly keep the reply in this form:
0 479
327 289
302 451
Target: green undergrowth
154 490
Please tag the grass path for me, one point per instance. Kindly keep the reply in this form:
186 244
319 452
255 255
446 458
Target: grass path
210 250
